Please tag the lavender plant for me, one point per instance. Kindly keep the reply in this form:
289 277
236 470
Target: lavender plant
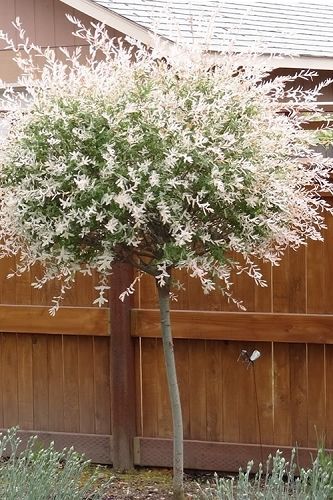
280 480
34 473
164 158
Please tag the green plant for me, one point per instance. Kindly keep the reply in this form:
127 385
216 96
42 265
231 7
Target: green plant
278 482
163 159
44 473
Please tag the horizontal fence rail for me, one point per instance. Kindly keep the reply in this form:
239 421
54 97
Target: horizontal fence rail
67 321
261 327
214 456
97 447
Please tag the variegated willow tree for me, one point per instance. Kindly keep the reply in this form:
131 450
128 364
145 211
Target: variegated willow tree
158 158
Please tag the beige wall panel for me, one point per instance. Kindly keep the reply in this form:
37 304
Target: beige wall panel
45 23
7 15
8 69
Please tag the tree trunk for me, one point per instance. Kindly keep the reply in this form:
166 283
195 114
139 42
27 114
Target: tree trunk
177 418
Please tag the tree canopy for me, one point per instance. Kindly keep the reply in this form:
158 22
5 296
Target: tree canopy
160 158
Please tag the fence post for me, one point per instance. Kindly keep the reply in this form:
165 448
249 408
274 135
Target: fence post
122 370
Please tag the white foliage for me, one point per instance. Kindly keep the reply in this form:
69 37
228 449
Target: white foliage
157 159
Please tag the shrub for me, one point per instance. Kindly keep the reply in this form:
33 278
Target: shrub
43 473
278 482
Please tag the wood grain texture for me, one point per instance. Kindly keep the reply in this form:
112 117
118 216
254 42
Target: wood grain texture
316 278
102 385
282 416
214 390
86 385
122 368
163 401
71 384
198 386
316 395
40 382
9 373
138 387
237 326
247 401
183 374
230 395
263 372
55 382
25 381
1 382
329 396
299 393
67 321
150 377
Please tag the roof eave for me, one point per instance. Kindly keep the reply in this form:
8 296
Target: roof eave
300 62
142 34
112 19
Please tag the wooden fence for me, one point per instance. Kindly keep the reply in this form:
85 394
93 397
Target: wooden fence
55 372
233 413
67 379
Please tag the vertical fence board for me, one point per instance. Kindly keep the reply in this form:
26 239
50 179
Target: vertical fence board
9 377
71 384
149 383
315 277
3 279
243 289
198 407
1 380
280 282
247 400
23 289
316 394
299 394
230 353
102 386
329 396
263 295
297 281
25 382
40 377
183 374
282 417
195 296
327 291
214 390
86 385
182 294
163 401
39 296
264 382
148 295
122 368
8 286
138 386
55 381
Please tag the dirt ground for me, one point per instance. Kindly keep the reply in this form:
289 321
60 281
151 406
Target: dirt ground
152 484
